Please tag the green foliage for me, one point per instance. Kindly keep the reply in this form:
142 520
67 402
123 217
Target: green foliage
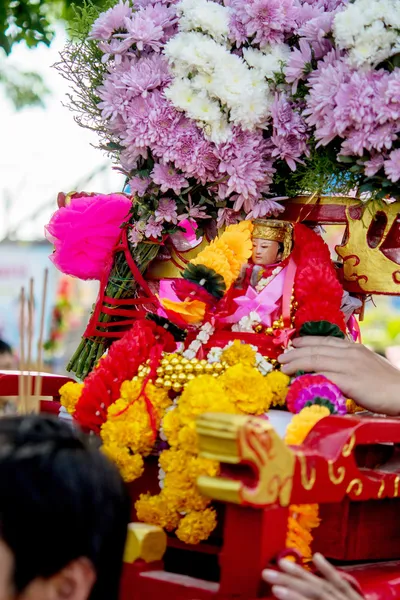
321 174
322 329
23 88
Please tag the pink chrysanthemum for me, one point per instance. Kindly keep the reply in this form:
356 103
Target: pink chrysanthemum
168 178
267 20
392 166
166 211
110 21
299 64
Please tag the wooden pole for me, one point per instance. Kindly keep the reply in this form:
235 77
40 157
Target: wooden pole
38 380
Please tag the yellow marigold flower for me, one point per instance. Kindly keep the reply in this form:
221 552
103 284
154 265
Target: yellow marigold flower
173 460
188 439
306 515
239 353
198 465
157 396
303 422
154 510
69 395
131 466
279 384
201 395
247 388
184 499
171 425
197 526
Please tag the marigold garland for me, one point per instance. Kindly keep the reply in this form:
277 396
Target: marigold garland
279 385
303 518
248 389
239 353
70 394
127 435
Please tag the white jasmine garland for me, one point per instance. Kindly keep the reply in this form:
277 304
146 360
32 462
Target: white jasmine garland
247 324
203 336
264 281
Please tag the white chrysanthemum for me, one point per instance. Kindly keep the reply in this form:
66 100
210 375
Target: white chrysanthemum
209 17
369 30
348 24
268 62
190 50
181 94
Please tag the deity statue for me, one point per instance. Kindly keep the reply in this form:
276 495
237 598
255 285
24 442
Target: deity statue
263 283
272 244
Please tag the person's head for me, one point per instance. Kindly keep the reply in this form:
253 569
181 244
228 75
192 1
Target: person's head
272 242
7 359
64 513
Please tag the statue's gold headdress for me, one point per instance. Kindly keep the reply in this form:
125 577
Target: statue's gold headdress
275 231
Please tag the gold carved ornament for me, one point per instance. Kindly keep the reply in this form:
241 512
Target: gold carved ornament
365 265
239 439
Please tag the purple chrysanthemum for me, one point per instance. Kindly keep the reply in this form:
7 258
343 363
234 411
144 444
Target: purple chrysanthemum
168 178
110 21
392 166
299 64
267 20
166 211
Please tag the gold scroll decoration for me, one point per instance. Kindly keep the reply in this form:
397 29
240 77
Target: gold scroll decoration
239 439
365 265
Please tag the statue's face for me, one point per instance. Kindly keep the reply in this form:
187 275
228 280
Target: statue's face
265 252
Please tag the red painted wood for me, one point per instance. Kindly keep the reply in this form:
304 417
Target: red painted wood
50 383
252 538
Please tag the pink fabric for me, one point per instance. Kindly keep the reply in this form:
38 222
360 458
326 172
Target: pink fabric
166 291
264 303
84 233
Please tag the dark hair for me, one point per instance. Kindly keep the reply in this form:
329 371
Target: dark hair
60 500
5 348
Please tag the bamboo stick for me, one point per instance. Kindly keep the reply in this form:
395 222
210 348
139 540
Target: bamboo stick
21 380
30 338
38 380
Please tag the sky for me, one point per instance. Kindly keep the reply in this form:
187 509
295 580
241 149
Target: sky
43 151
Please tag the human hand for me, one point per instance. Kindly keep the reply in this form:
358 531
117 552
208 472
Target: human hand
362 375
295 583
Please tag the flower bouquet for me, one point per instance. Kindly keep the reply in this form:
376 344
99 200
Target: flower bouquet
217 111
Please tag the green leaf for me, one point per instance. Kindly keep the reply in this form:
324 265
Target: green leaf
345 159
321 329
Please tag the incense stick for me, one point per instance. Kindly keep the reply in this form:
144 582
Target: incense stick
21 380
38 380
30 337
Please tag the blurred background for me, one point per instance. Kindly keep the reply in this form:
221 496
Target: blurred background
43 151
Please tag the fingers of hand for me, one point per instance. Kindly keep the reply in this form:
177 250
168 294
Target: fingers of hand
334 577
312 360
312 341
310 587
283 593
